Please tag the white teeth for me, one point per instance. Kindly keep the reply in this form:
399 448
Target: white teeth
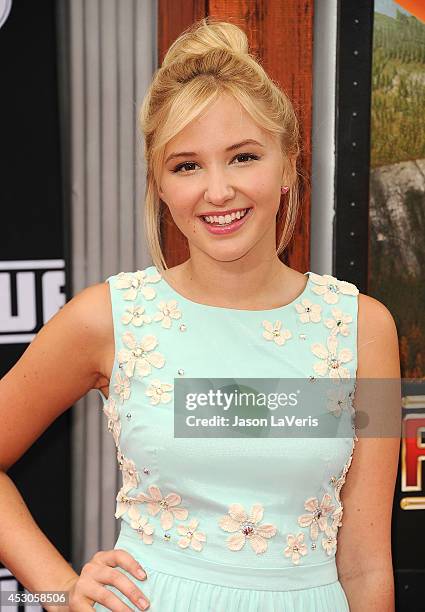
223 220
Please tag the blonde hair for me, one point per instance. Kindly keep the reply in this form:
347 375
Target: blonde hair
207 59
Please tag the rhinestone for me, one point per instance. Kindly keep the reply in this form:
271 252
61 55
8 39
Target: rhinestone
332 480
303 336
128 415
312 378
180 372
313 546
182 327
248 528
167 536
146 471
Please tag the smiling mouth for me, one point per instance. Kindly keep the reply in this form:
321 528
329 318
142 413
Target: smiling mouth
226 219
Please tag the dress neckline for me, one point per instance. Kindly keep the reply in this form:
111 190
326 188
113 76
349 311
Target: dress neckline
278 309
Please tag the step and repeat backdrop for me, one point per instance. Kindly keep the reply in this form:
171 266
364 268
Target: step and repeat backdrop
33 273
397 257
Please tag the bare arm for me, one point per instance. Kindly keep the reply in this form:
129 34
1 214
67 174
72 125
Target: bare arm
61 365
364 541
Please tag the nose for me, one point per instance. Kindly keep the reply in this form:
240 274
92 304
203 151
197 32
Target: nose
218 191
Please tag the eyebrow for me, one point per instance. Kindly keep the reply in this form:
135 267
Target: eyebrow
230 148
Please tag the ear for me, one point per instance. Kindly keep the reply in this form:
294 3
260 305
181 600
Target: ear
161 193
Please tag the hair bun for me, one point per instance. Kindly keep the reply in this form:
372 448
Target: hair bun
205 35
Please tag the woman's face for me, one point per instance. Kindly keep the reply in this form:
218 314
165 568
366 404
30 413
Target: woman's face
214 179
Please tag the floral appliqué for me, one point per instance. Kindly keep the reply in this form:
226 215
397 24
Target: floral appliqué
158 392
141 525
168 506
135 315
122 387
167 312
276 332
138 357
318 515
329 541
337 515
130 474
247 528
114 423
338 400
308 312
295 547
339 323
124 501
137 282
190 536
330 288
331 361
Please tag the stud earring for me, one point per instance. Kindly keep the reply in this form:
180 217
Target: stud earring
284 189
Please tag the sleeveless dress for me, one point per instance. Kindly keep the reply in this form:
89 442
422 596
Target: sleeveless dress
228 524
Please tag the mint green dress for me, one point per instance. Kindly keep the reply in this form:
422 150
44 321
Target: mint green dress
239 523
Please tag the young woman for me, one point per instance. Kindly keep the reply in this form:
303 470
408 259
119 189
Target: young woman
214 523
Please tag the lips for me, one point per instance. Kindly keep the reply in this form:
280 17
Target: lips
216 213
228 228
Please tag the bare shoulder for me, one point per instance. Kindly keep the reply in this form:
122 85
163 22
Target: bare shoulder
88 316
377 339
66 358
92 317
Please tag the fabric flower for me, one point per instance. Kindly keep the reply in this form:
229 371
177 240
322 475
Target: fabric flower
329 542
339 323
338 400
247 527
135 315
138 356
276 332
141 525
122 386
158 392
137 282
130 474
168 506
114 423
309 311
191 537
331 361
337 515
330 288
296 547
167 312
124 501
317 519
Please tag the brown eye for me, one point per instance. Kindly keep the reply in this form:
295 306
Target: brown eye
179 167
251 155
